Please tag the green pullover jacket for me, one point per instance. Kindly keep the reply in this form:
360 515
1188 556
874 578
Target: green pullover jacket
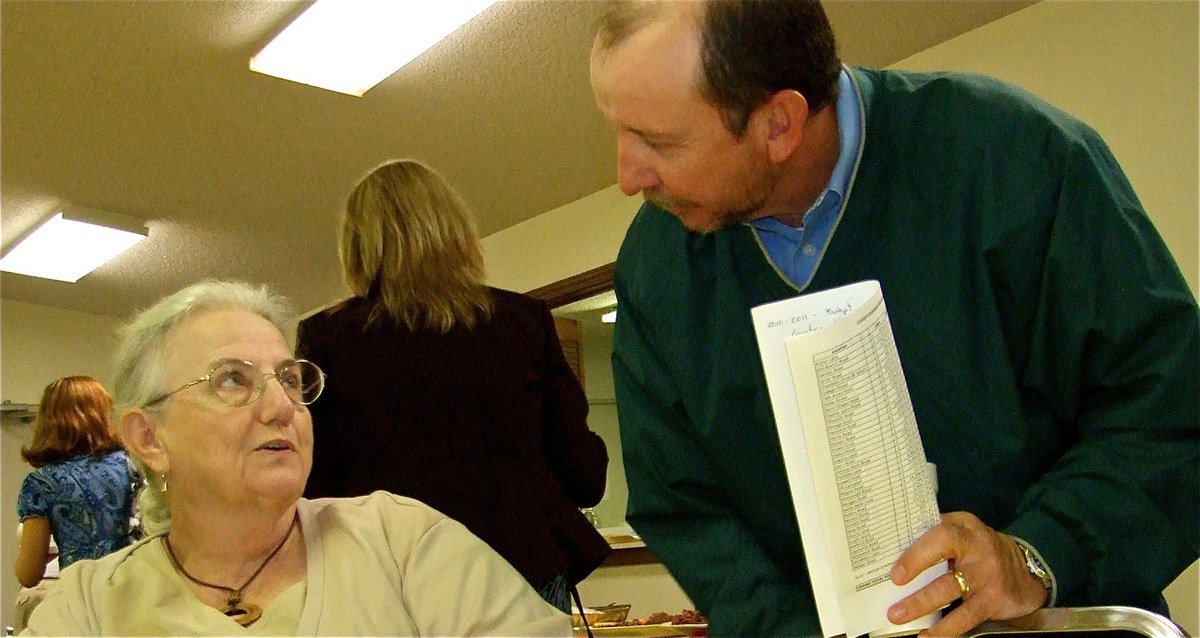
1050 345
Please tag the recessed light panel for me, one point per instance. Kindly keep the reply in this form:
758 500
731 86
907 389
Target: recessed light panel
349 46
68 246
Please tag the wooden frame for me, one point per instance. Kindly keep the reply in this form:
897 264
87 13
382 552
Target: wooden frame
585 284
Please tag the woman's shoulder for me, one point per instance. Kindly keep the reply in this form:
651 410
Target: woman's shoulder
34 490
331 324
377 501
518 308
115 458
350 530
336 311
379 510
114 464
91 592
127 564
516 299
82 463
52 473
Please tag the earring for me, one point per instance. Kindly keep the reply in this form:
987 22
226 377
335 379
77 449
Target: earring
162 486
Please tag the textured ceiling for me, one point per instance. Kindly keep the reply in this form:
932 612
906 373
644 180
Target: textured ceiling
148 109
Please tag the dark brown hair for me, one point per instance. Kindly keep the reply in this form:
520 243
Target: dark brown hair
749 50
752 49
74 418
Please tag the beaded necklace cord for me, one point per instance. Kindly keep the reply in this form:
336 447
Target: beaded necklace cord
241 612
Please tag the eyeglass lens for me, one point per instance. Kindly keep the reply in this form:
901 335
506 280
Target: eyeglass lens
238 383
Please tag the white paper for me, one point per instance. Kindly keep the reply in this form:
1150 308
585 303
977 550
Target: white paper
853 434
773 323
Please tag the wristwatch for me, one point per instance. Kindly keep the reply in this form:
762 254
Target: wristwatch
1038 568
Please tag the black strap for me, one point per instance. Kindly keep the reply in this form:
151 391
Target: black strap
582 616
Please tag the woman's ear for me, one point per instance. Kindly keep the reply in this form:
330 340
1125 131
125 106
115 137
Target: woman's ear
786 114
141 440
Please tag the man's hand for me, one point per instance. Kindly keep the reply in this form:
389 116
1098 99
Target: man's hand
993 580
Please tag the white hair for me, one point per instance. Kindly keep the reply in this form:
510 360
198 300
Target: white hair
139 364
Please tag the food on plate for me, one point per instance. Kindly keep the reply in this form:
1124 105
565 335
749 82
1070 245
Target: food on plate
689 617
657 618
685 617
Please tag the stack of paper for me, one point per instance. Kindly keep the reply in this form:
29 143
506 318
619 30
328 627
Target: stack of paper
860 483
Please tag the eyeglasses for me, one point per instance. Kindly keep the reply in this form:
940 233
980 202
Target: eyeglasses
239 383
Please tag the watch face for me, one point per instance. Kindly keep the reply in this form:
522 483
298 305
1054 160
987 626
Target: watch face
1035 566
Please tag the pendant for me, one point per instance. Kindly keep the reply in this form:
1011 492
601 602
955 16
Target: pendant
243 614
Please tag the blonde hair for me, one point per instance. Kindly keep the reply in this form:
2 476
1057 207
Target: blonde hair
74 418
409 245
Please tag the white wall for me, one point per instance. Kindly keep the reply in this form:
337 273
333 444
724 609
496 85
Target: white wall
602 419
1129 69
38 345
566 241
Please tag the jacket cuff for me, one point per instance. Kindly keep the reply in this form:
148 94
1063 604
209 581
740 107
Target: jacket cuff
1056 547
1053 590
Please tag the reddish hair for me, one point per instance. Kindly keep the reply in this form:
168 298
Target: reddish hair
74 418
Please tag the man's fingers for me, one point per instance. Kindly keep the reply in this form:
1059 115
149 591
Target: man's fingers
938 543
942 591
957 622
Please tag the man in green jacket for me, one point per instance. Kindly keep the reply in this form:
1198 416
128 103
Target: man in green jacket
1048 340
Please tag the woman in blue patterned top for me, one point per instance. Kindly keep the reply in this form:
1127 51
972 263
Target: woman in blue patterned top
80 491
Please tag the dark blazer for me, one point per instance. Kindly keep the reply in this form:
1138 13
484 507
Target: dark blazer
487 425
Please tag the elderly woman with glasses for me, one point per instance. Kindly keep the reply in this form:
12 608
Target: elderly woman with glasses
214 408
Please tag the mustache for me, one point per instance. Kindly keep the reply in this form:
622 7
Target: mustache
664 201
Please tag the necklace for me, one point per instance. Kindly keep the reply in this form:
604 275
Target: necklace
242 613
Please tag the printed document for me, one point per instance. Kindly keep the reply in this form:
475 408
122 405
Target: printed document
861 487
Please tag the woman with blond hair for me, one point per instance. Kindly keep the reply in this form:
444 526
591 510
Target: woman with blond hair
449 391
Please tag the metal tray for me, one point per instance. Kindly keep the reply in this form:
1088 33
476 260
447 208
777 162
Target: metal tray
1111 620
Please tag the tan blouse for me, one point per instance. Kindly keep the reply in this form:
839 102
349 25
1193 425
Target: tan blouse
377 565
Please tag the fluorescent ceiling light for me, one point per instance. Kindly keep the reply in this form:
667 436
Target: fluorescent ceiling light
71 244
609 317
349 46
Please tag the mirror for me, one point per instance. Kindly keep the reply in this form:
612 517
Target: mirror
578 303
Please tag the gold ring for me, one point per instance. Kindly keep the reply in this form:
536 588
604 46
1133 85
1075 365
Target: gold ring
963 587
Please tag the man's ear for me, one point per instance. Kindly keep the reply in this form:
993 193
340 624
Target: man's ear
785 115
141 440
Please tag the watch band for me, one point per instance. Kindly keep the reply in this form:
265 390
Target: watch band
1037 567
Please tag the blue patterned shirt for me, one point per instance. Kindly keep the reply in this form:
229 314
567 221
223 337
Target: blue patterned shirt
87 500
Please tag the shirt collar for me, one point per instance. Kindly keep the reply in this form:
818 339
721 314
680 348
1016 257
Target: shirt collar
849 133
849 116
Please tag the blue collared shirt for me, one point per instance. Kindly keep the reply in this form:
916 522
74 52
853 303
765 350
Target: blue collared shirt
797 251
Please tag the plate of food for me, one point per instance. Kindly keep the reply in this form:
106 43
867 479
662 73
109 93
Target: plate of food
659 624
612 613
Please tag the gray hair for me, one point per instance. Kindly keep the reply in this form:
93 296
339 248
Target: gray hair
138 375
